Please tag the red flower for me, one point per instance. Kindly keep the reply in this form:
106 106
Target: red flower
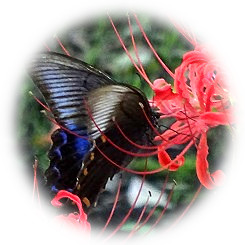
78 220
200 101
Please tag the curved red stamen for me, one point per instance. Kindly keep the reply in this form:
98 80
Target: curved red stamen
150 123
152 48
135 154
47 47
128 54
188 37
155 206
135 49
62 46
131 142
128 169
129 212
187 208
163 211
66 129
114 206
139 219
39 102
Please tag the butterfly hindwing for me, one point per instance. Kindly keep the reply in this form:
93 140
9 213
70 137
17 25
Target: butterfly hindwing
66 157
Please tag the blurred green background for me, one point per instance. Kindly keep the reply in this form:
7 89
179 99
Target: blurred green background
96 43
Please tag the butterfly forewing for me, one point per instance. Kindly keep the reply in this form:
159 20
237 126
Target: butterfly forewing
65 83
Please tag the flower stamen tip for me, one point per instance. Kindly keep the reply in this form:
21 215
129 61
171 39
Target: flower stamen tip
141 105
103 138
86 202
85 171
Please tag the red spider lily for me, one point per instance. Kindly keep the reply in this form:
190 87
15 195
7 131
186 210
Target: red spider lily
77 220
198 101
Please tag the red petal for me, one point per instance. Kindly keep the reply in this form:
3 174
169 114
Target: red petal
74 220
215 118
66 194
163 90
208 180
159 83
194 56
218 177
175 165
210 92
80 219
166 162
164 158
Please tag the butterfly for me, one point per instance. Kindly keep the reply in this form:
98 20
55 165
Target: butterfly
89 105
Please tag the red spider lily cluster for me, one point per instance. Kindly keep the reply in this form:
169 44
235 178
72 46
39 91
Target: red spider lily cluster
198 100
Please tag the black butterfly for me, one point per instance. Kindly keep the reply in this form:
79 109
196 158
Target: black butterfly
79 95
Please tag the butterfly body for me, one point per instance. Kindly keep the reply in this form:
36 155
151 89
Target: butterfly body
88 104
